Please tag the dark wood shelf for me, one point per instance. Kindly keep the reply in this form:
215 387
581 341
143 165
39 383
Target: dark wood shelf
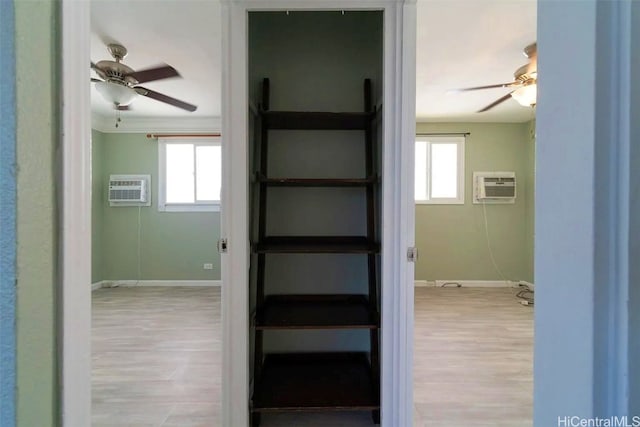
315 382
317 182
316 244
310 120
344 311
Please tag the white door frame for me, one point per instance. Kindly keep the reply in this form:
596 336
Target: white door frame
397 217
234 224
74 185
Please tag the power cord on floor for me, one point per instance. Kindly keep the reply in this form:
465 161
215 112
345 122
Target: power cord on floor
456 284
525 294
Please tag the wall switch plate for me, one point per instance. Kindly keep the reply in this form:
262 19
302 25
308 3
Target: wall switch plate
207 266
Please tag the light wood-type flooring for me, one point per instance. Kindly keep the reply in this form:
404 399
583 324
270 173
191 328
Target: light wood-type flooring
156 360
473 358
156 357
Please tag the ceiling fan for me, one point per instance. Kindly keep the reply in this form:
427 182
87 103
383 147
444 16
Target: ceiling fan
119 84
524 84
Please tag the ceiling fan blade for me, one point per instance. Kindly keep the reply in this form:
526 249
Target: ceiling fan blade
496 102
164 98
95 80
466 89
150 74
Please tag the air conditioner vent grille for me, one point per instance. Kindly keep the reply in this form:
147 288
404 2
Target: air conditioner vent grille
119 194
494 187
121 183
129 190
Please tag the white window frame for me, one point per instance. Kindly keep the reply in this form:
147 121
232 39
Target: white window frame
460 143
163 206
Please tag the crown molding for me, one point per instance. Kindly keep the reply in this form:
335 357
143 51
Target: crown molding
155 124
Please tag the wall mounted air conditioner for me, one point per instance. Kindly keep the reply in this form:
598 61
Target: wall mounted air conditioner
494 187
129 190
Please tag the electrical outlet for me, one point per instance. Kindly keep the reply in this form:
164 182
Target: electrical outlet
207 266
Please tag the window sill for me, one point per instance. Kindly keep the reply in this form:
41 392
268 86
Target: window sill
189 208
440 202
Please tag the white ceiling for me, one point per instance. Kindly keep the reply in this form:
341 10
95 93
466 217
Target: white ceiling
467 43
461 43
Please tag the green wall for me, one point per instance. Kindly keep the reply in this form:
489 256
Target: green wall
173 245
97 206
37 97
451 239
530 197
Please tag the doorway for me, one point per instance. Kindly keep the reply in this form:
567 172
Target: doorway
76 298
473 337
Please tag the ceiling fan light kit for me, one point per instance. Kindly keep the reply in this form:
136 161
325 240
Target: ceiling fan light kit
116 93
525 95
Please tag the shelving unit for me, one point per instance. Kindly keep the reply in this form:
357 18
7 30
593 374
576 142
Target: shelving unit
318 381
316 244
348 311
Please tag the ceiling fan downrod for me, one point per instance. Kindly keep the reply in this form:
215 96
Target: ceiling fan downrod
117 51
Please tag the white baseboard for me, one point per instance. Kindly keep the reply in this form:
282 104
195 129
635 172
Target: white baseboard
424 283
417 283
148 283
476 283
98 285
531 286
467 283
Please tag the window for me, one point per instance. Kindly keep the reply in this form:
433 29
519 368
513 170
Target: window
190 174
439 170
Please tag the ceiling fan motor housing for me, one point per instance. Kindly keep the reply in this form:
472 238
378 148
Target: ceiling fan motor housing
116 72
522 75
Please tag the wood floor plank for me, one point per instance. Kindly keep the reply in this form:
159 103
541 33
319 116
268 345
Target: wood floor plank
156 360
